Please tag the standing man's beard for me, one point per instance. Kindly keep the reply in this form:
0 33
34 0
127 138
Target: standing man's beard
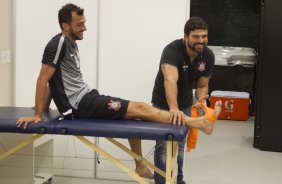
194 48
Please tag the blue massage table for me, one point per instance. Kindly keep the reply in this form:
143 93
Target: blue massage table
98 128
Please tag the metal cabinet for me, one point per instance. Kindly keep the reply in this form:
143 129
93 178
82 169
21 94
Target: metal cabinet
268 123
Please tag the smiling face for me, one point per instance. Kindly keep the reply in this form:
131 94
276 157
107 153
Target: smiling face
196 40
74 30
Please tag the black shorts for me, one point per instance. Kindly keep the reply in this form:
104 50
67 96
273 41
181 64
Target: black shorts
96 106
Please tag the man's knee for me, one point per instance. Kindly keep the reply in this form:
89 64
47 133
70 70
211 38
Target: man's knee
139 110
141 107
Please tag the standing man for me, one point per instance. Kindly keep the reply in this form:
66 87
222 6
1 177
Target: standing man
185 64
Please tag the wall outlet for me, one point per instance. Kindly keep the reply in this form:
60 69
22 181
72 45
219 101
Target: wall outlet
5 56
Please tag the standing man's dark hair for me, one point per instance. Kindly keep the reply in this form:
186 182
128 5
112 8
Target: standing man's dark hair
65 13
195 23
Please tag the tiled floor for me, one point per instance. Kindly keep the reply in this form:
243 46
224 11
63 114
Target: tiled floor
225 157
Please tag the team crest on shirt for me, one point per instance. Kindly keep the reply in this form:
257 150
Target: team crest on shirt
115 105
202 66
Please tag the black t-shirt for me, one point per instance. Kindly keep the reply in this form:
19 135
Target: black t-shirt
188 73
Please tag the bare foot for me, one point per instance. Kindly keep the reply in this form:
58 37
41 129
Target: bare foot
211 116
144 172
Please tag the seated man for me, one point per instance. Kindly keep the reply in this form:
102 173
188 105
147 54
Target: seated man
61 71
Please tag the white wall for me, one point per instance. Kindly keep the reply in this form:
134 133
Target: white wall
35 23
132 35
6 69
120 55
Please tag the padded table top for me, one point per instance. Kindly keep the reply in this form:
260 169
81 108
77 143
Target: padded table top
90 127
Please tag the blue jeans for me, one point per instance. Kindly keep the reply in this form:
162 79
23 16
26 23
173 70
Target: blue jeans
160 156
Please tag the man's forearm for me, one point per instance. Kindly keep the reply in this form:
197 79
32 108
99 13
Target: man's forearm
171 94
47 99
41 88
200 92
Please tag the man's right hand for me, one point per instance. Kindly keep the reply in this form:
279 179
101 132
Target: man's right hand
201 100
26 120
177 116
